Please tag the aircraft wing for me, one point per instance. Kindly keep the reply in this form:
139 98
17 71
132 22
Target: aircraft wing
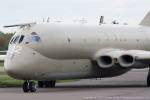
125 58
135 56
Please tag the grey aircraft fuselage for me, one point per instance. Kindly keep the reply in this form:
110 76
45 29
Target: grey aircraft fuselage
58 51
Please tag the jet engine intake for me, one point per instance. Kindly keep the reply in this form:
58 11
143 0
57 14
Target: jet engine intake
126 60
105 61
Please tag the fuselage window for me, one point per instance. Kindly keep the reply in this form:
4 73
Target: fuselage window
21 38
35 37
16 39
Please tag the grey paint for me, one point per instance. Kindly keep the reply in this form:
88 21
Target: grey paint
71 51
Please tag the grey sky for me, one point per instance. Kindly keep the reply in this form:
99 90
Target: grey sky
18 11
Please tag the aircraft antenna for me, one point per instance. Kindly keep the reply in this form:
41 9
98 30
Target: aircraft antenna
101 21
48 20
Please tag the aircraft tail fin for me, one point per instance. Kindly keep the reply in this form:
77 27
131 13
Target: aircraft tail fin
146 20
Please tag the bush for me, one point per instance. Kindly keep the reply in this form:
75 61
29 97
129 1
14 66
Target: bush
4 40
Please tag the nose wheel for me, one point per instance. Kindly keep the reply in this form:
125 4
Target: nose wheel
29 86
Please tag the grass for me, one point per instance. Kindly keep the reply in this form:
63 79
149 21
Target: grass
6 81
1 64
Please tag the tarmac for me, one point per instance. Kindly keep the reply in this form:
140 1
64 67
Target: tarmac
130 86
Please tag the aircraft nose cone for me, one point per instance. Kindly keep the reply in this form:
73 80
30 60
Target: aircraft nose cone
15 62
9 70
10 67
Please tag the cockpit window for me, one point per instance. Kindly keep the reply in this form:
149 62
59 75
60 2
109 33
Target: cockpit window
35 37
11 40
16 39
21 38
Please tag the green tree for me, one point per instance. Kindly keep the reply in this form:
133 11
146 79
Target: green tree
4 40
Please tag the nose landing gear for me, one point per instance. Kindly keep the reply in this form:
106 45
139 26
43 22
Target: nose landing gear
29 86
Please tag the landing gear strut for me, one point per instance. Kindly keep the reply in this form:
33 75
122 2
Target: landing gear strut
148 78
29 86
46 84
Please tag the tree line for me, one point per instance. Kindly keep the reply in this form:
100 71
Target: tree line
4 40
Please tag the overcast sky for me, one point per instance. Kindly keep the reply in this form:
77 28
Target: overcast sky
19 11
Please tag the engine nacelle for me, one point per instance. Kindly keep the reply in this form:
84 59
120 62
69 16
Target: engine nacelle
126 60
132 58
105 61
108 59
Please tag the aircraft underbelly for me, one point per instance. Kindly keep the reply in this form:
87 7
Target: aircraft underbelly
40 67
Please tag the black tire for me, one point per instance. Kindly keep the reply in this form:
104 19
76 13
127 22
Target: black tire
47 84
32 87
53 83
148 80
40 84
25 87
